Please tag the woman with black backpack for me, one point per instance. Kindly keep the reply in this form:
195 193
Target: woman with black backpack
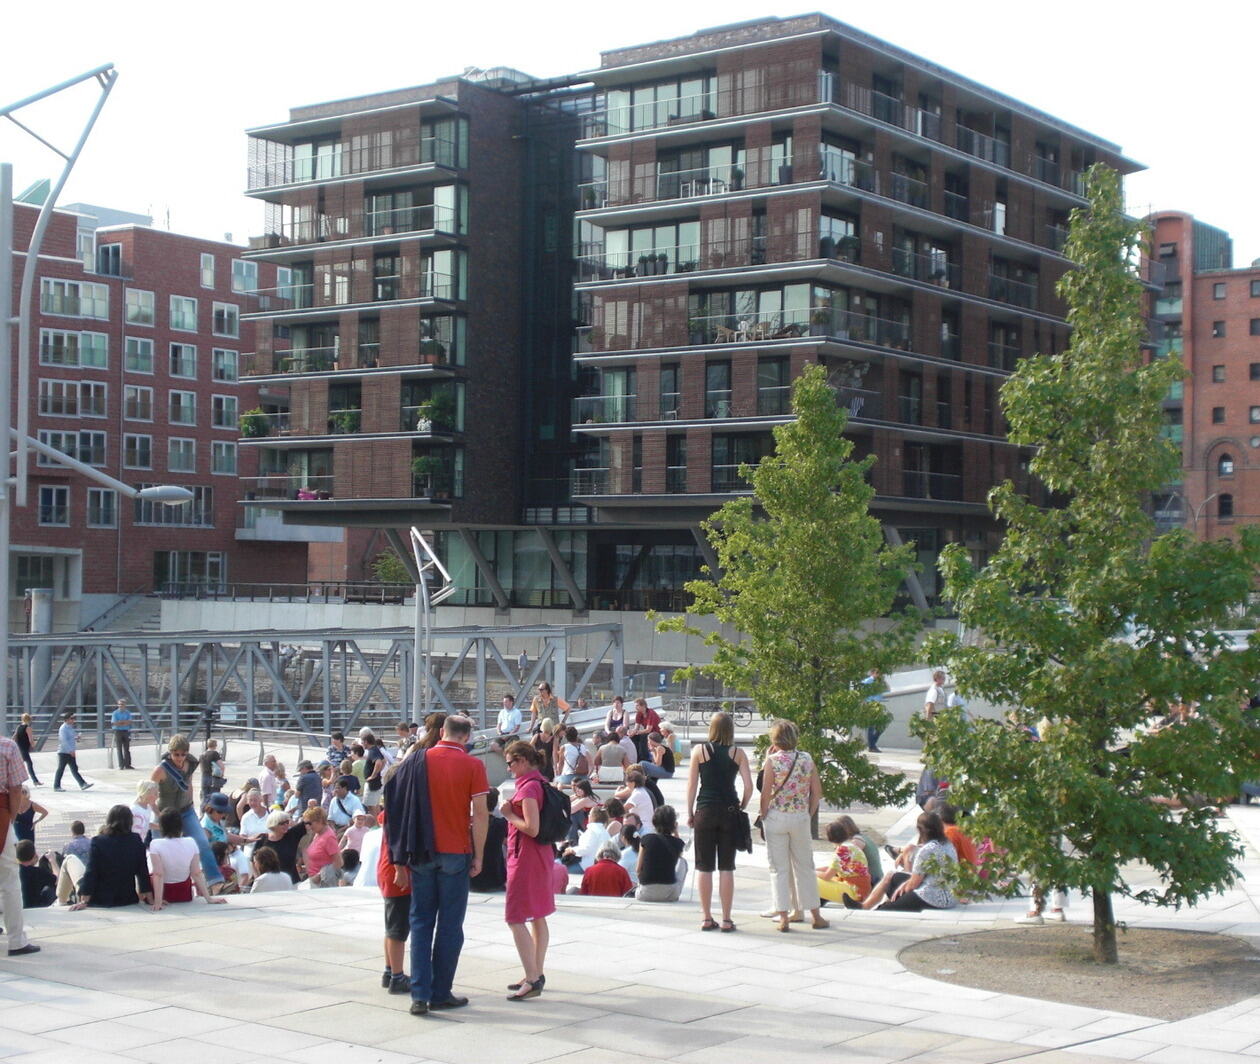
530 898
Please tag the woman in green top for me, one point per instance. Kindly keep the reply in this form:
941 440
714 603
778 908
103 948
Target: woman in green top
175 792
714 815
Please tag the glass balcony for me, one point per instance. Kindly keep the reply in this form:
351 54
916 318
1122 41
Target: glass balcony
951 345
670 405
717 403
682 110
932 267
982 146
774 401
422 417
676 480
407 148
842 168
909 190
945 487
288 486
308 360
1170 305
697 183
1169 348
860 402
957 207
726 478
1003 356
1056 237
255 426
1017 293
910 409
878 105
413 219
1046 170
604 409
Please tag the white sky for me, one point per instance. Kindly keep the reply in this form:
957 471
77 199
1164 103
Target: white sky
1171 83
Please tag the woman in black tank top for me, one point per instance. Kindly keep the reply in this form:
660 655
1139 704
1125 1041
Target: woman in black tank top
714 813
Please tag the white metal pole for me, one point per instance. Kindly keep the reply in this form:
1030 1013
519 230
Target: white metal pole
6 371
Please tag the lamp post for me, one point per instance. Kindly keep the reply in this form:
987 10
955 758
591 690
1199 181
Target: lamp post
14 476
1198 510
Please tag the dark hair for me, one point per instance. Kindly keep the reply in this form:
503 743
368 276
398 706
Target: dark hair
570 734
545 684
665 820
492 800
349 859
616 808
70 714
337 735
171 823
838 832
930 828
524 750
266 860
584 788
220 851
119 820
77 828
25 850
948 813
630 837
456 727
655 737
357 749
432 730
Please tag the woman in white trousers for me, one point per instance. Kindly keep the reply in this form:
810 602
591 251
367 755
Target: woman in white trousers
790 793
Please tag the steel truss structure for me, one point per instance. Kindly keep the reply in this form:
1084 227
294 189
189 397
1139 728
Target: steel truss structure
311 680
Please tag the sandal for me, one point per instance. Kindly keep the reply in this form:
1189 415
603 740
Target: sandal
728 925
709 924
541 981
535 988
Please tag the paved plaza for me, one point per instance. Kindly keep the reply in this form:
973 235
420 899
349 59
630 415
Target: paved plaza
295 977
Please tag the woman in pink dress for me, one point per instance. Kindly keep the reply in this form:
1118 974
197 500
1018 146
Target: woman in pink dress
529 864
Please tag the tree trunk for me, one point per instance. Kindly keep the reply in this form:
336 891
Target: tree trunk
1105 951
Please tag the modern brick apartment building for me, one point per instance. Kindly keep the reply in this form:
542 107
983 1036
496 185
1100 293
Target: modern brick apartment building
1208 314
607 283
135 369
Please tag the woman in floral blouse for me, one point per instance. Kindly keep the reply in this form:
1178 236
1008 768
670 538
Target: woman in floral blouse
790 793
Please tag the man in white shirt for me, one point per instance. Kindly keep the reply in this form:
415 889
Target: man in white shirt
344 805
254 819
934 700
509 724
267 779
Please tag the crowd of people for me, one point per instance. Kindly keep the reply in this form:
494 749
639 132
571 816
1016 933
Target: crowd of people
580 815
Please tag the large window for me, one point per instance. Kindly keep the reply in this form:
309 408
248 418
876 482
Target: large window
89 350
139 355
183 408
184 313
85 446
223 457
54 505
139 307
774 394
244 276
102 508
76 299
137 452
181 455
226 320
183 360
72 398
137 403
198 514
225 365
730 452
717 389
207 270
223 411
200 568
662 103
646 251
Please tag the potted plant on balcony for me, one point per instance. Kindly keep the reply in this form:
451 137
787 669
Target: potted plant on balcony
441 406
346 421
432 352
695 330
847 248
255 424
820 321
426 469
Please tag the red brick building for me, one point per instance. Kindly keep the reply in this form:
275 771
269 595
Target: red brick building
137 342
1208 316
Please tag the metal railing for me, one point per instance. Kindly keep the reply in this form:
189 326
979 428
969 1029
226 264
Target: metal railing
982 146
945 487
316 591
346 421
611 121
287 486
907 189
1003 356
1008 290
418 217
604 409
932 267
590 481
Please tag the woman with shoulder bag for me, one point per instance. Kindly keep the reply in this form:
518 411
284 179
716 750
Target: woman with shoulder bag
790 794
716 815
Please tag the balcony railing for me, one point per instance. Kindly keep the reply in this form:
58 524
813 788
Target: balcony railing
1168 305
254 426
309 360
345 161
336 292
344 422
774 400
604 409
946 487
717 403
842 168
288 486
419 417
910 409
909 190
878 105
680 184
676 479
413 219
957 207
1056 237
983 146
611 121
951 345
1003 356
590 482
726 478
932 267
1017 293
860 402
1046 170
670 405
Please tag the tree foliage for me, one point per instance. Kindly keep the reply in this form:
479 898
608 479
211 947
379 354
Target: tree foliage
388 568
807 581
1094 626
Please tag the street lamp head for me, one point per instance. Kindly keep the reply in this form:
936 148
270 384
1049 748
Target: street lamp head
169 494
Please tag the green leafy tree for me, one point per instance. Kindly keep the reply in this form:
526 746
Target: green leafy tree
388 568
1092 626
808 582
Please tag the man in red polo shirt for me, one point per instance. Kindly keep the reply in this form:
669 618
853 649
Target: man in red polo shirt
449 785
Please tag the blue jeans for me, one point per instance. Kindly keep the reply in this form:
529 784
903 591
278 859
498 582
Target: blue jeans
651 768
439 899
193 829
